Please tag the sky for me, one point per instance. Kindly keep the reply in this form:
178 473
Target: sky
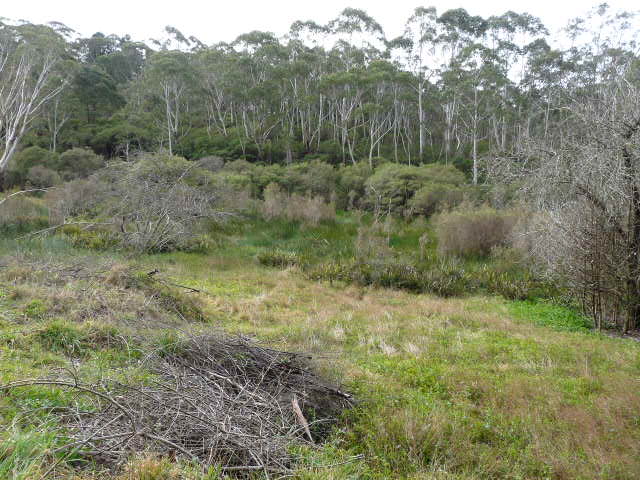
223 20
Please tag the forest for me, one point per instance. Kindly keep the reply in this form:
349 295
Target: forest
327 254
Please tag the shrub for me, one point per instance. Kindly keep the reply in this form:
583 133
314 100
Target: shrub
275 202
159 203
467 232
434 197
26 159
40 176
278 258
352 185
77 197
78 163
21 213
90 238
279 204
372 243
211 163
392 186
313 178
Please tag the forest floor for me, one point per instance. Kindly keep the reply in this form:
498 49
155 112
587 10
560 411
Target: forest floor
460 388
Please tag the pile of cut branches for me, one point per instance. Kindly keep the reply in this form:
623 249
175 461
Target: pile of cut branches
215 399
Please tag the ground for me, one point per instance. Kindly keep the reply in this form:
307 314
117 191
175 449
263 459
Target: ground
461 388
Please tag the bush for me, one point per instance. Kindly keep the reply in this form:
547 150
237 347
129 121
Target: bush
473 233
211 163
279 204
435 197
78 163
159 203
392 186
352 184
77 197
20 213
278 259
42 177
25 160
314 178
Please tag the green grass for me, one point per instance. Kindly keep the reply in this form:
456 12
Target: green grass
547 314
474 387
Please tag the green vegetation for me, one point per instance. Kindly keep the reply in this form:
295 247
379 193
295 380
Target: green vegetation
469 387
442 226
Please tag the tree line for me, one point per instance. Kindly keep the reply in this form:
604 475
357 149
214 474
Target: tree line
453 87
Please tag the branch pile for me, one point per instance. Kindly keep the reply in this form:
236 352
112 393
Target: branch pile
215 399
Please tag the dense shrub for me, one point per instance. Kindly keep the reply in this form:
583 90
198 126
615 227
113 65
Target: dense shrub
27 159
352 184
40 176
473 232
77 197
278 258
314 178
78 163
392 186
21 213
279 204
158 203
435 197
211 163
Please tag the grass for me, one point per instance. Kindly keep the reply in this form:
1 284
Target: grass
459 388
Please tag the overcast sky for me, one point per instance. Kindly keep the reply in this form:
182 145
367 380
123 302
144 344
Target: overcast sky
223 20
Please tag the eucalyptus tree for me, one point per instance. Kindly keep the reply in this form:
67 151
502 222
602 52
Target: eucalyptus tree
457 30
417 47
30 77
602 44
378 108
214 67
545 82
168 83
358 37
256 87
508 39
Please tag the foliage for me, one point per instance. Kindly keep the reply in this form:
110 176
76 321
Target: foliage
473 232
78 163
25 160
278 204
392 187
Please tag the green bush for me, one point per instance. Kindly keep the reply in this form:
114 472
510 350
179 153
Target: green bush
278 258
94 239
78 163
21 213
40 176
352 184
392 186
434 197
25 160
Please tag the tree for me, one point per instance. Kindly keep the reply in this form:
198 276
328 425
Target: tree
418 46
29 56
167 84
586 181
